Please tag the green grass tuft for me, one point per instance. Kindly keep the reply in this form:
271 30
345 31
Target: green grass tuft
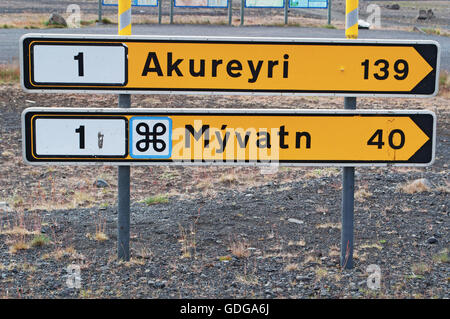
158 199
39 241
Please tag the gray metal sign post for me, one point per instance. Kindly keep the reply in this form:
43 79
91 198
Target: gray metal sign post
348 200
171 11
329 12
159 11
230 12
123 222
242 11
286 6
348 173
100 11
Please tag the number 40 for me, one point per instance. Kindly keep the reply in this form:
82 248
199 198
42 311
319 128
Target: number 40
377 139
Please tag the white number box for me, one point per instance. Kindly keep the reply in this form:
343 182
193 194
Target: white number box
79 64
80 137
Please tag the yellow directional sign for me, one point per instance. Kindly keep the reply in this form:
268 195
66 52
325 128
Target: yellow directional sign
184 137
229 65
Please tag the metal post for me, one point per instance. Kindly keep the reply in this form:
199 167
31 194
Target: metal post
171 11
286 5
230 12
348 174
100 11
329 12
159 11
242 12
348 200
123 219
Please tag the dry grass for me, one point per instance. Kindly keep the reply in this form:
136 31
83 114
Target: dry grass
312 259
300 243
329 225
239 249
101 236
444 84
321 273
322 209
68 253
249 280
18 246
442 256
417 186
291 267
9 73
100 229
188 239
334 251
362 194
228 179
322 172
420 268
17 230
369 246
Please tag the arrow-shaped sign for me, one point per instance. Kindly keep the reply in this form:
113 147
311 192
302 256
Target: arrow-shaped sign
241 137
139 64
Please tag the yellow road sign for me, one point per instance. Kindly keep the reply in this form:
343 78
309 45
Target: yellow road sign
229 65
189 136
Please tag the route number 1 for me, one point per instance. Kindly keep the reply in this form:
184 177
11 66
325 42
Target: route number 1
80 131
79 57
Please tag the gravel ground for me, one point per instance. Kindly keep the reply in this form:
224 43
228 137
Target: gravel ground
218 232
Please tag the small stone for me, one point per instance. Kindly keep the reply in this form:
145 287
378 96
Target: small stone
324 292
422 15
56 19
296 221
4 207
159 285
432 240
100 183
278 290
302 278
394 6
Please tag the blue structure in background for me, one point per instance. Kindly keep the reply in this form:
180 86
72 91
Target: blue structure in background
204 4
136 3
311 4
268 4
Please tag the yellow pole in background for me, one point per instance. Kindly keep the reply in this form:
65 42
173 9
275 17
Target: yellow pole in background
351 19
124 17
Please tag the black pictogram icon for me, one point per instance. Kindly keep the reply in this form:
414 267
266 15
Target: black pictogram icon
151 137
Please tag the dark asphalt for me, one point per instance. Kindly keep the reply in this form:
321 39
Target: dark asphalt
9 38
